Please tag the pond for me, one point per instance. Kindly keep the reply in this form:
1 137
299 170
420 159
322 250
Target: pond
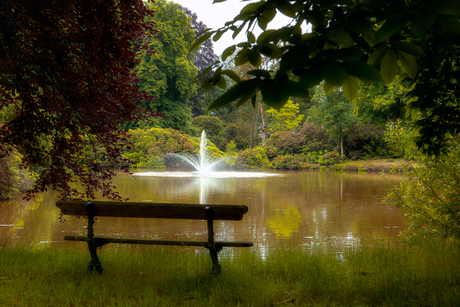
298 207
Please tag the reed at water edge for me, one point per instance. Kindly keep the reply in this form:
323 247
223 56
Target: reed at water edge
382 274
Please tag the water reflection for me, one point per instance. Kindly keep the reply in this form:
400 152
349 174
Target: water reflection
300 207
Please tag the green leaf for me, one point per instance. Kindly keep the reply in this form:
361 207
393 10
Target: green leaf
216 76
449 29
340 37
265 17
251 37
409 48
311 76
238 30
328 88
296 89
200 40
204 72
389 66
422 23
362 71
218 34
218 1
350 88
335 74
358 25
390 27
265 37
242 57
408 62
269 50
377 56
222 83
254 58
274 95
242 90
232 75
287 9
227 52
445 7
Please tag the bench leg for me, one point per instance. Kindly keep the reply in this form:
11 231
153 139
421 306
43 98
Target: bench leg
211 245
215 260
95 262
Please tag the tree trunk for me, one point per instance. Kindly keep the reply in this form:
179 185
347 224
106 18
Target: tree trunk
341 145
254 123
264 124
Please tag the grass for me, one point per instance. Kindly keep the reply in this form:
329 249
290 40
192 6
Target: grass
371 275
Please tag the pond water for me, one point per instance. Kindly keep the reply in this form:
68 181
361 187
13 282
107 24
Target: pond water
302 208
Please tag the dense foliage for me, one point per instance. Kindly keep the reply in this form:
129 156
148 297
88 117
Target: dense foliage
167 73
66 72
342 42
430 196
152 148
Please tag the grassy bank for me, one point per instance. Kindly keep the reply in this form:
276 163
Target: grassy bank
378 275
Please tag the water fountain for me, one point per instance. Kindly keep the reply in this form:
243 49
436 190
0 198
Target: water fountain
201 161
203 164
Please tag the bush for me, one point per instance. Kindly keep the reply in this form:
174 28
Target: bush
288 162
149 146
13 179
152 146
329 158
252 158
366 142
430 196
234 133
316 138
284 143
212 125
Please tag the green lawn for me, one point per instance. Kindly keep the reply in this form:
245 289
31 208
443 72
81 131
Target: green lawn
377 275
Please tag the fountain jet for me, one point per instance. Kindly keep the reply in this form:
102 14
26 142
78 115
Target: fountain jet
201 162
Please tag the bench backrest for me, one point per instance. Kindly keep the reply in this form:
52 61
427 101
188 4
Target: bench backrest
152 210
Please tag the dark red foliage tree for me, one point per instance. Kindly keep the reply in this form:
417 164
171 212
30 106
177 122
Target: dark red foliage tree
66 71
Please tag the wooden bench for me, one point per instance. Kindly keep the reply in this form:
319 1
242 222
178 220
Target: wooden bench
209 213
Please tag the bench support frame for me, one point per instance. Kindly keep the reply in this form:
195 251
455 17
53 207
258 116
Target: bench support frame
95 263
93 244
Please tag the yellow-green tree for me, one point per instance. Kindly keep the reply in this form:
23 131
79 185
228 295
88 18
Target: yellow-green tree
287 118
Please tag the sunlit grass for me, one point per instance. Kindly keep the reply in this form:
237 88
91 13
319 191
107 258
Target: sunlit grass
369 275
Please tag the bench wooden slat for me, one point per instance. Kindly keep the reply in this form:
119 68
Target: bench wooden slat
153 210
160 241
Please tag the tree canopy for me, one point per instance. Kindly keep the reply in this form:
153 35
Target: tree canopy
66 72
341 42
167 73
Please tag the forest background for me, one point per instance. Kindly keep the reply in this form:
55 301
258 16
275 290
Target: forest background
337 117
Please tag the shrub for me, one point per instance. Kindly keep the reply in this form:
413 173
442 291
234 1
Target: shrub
152 146
234 133
252 158
316 138
13 179
366 142
212 125
287 162
430 196
329 158
284 143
